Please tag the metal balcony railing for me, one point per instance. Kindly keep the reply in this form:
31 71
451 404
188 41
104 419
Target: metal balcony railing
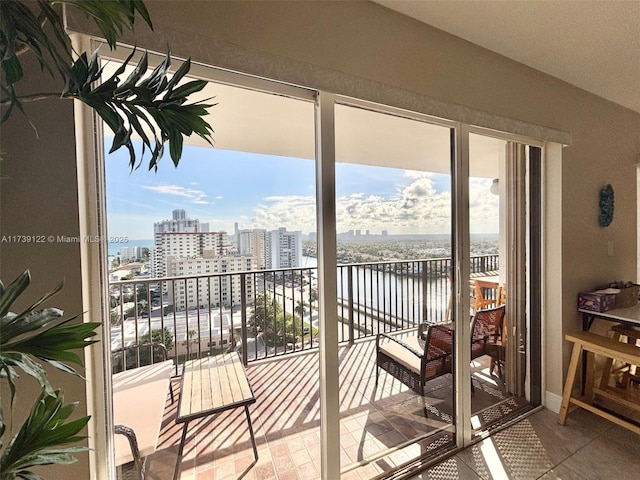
266 313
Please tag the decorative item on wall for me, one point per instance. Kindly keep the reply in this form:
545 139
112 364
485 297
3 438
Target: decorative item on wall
606 206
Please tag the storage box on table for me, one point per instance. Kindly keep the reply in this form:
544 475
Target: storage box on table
596 302
628 296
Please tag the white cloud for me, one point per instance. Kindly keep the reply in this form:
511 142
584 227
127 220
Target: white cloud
195 196
416 208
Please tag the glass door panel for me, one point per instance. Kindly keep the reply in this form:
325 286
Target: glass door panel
217 260
499 280
393 218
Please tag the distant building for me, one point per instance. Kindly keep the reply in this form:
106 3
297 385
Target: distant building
179 223
184 244
283 249
216 291
130 253
253 242
384 233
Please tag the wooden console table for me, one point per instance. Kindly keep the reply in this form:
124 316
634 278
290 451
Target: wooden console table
209 386
590 343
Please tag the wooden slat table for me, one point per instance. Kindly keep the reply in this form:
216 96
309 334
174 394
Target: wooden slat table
209 386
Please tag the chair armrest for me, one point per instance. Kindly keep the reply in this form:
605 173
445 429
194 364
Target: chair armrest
133 443
400 342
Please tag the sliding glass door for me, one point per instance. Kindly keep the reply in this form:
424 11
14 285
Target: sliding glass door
504 251
393 223
371 255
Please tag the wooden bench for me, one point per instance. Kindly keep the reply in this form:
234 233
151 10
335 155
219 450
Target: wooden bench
209 386
611 349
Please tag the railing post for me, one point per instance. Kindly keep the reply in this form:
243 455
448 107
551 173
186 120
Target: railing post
243 319
350 292
425 294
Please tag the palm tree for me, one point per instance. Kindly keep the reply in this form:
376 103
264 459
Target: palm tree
301 308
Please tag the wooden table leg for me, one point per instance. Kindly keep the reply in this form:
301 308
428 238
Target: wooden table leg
176 472
253 438
568 384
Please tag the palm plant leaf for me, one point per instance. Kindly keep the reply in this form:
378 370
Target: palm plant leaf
128 107
150 105
39 440
112 17
38 334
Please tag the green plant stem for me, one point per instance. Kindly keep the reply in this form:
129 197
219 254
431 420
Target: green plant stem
32 98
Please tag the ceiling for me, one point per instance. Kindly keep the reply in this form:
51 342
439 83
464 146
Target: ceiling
594 45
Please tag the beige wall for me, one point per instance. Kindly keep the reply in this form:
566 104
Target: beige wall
39 196
371 42
368 41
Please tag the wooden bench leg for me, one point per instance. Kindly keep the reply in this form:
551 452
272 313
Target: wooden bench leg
606 372
568 385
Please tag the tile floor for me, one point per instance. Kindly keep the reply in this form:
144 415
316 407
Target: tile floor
286 424
587 448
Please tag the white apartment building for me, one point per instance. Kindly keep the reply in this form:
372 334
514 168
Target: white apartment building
283 249
253 242
179 223
215 291
130 253
184 244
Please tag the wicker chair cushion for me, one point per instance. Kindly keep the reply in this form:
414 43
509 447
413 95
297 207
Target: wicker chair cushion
402 355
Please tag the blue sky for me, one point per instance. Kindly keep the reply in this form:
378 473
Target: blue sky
258 191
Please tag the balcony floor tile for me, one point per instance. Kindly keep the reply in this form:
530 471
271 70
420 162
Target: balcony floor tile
286 421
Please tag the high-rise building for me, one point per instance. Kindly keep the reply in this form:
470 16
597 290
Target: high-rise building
253 242
283 249
179 223
215 291
184 244
183 248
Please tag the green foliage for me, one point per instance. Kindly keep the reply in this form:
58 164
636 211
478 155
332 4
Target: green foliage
277 328
301 308
37 334
39 440
26 339
160 335
139 355
154 102
151 105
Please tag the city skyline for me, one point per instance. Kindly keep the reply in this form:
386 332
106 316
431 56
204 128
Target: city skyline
222 187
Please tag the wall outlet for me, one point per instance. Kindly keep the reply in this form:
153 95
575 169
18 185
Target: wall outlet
610 250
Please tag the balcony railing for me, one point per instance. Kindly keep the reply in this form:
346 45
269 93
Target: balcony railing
266 313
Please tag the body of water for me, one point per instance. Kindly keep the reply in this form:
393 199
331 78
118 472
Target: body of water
398 295
114 248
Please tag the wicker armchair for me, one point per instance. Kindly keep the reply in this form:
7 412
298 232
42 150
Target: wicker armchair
487 328
417 359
